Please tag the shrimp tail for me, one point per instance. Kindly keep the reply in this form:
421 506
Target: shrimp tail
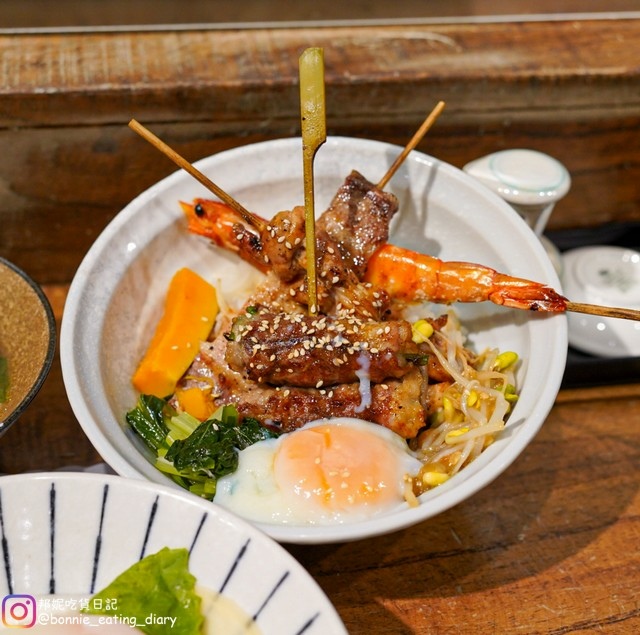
412 277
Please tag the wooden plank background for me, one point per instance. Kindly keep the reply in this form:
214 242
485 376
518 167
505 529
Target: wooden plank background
69 163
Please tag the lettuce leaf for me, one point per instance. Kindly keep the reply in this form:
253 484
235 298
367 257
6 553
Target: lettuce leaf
158 592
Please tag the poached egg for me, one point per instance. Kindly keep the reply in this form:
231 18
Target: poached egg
329 471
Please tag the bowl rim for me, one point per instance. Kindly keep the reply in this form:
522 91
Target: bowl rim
376 525
47 362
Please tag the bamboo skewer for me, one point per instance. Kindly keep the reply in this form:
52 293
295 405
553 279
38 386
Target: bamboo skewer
314 134
181 162
256 221
415 140
605 311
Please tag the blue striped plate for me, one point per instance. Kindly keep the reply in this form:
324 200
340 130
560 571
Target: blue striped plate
72 534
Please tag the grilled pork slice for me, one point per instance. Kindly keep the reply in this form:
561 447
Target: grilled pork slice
358 220
395 404
311 351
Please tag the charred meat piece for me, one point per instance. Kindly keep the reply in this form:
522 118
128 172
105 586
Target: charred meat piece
283 241
348 232
395 404
358 220
314 351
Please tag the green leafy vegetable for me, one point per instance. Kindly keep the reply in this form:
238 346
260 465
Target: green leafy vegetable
158 592
194 454
205 449
147 419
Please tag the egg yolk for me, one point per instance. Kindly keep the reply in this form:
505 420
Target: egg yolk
337 467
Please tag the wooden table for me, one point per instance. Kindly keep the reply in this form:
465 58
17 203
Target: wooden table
551 546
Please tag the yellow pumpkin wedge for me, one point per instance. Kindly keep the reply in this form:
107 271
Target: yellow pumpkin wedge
197 402
190 309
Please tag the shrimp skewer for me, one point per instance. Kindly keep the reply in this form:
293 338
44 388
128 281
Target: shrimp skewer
471 282
407 276
410 276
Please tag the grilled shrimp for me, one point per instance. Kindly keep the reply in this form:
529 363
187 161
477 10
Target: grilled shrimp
405 275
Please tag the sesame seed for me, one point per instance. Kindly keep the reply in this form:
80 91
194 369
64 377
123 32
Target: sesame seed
319 384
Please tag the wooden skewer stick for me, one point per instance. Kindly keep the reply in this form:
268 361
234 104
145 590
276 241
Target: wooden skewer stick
605 311
181 162
256 221
575 307
415 140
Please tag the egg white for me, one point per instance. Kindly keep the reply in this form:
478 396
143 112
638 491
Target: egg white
253 492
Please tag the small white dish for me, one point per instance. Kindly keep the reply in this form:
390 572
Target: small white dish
70 534
609 276
115 296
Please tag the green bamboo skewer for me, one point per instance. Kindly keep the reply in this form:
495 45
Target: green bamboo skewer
314 134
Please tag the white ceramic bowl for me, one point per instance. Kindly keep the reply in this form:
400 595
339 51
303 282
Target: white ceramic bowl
123 279
70 534
610 276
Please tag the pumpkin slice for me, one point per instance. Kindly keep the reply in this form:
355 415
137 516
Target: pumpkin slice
191 306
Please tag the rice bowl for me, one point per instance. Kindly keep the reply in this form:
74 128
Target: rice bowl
118 290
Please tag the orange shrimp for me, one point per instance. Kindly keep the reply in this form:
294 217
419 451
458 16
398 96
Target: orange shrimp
405 275
413 277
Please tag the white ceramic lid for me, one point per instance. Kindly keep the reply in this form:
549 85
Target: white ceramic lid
522 176
609 276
